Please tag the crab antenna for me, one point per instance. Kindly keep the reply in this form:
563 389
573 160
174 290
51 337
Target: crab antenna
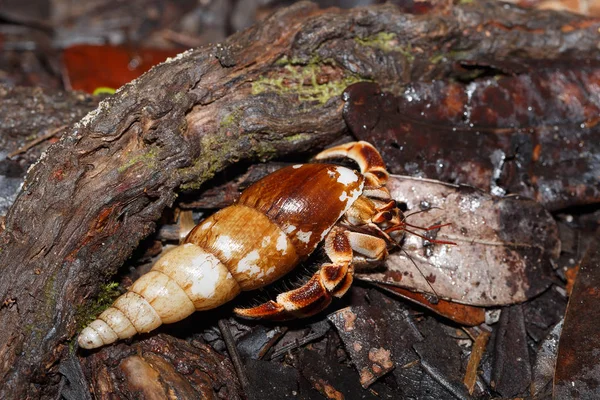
435 241
422 211
396 244
414 213
403 225
431 228
435 294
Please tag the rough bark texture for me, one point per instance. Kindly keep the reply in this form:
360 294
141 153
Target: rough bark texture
153 368
270 90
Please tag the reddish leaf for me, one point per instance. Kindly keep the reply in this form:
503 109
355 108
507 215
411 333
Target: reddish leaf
90 67
459 313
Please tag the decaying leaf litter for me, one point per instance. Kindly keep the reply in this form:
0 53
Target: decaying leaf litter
504 173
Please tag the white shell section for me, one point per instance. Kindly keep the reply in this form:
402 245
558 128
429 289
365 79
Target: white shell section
104 331
205 280
282 243
347 176
90 339
248 264
182 281
223 242
304 237
118 322
164 294
351 198
141 314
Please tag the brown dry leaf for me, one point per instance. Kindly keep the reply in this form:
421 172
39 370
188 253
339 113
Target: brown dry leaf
504 246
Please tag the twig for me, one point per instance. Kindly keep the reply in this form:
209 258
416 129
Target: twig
321 329
233 353
36 141
476 353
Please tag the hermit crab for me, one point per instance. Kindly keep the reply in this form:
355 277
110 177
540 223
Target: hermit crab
275 225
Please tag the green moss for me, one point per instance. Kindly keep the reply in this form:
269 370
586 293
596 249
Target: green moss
303 80
148 158
458 55
28 329
383 40
315 81
230 120
297 137
466 1
215 151
436 58
50 296
388 42
455 55
41 322
88 312
265 151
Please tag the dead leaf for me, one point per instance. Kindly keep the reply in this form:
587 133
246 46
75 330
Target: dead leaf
504 246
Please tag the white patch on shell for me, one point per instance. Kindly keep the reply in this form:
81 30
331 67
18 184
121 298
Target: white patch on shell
282 244
266 240
223 243
347 176
248 264
289 229
204 226
304 237
325 232
297 166
206 286
351 199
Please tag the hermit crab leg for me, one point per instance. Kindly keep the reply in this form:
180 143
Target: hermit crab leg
331 280
374 249
368 159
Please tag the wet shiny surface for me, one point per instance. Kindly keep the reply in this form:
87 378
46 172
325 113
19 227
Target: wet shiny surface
533 134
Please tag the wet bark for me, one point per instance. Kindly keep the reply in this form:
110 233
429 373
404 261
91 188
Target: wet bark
160 367
268 91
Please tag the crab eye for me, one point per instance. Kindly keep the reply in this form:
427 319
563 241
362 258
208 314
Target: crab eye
402 206
387 216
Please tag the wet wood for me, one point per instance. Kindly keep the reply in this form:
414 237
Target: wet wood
152 369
